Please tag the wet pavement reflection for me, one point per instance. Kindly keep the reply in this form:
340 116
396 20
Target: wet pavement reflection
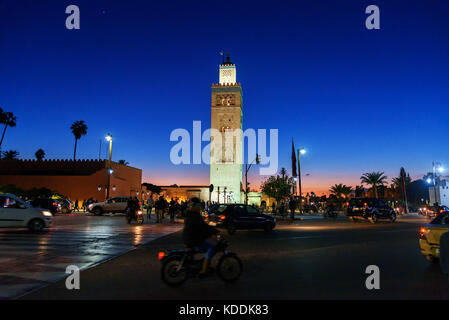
29 261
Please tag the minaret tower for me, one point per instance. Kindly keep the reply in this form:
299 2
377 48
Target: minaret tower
226 112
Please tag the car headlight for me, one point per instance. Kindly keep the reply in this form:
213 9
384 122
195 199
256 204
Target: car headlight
47 213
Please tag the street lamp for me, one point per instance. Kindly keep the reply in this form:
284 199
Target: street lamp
257 160
300 151
110 171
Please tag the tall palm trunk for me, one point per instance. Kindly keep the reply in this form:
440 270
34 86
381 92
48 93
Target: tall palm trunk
375 190
3 135
74 151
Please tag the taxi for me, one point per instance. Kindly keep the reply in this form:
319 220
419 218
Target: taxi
429 236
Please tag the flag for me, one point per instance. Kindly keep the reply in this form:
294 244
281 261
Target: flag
294 174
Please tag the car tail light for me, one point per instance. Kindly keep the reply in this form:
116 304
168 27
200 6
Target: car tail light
422 233
365 204
55 203
161 255
206 216
222 217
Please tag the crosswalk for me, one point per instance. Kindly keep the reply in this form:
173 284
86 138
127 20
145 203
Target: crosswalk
29 261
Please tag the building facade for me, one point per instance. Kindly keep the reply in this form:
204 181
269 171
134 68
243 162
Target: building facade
441 195
76 180
226 143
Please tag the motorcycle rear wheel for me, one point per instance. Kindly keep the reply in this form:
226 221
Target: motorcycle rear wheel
170 276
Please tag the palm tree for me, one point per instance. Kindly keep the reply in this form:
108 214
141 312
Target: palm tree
123 162
10 155
79 129
40 154
374 179
283 173
359 190
341 190
9 120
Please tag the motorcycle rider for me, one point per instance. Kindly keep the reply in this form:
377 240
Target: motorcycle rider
132 207
196 232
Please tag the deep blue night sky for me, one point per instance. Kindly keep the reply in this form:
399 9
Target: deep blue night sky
359 100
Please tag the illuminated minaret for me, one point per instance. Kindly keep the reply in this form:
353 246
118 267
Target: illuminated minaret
226 166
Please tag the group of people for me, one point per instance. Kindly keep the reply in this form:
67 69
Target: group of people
173 208
161 207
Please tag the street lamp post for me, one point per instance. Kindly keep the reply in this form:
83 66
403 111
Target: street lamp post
257 160
300 151
110 171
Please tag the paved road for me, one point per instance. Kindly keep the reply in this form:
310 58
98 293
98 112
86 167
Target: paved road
29 261
310 259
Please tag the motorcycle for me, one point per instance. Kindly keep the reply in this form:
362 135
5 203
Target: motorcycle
179 265
330 213
138 216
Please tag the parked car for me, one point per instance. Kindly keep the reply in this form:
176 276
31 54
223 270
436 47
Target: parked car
47 203
113 205
371 209
430 234
66 205
238 216
16 213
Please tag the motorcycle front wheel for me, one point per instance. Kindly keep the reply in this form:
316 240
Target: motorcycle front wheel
169 272
229 268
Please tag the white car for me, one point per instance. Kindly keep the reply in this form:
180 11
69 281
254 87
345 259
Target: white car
16 213
114 205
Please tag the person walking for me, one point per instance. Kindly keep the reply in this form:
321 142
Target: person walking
172 210
77 209
292 207
150 205
160 205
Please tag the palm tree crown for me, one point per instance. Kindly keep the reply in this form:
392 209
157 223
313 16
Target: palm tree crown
79 129
10 155
9 120
374 179
341 190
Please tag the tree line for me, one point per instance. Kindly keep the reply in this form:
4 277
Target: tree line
8 119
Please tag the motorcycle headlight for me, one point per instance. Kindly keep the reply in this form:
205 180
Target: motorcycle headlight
139 212
46 213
